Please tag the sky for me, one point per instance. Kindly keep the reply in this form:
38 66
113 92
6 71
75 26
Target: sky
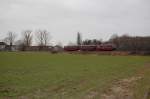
94 19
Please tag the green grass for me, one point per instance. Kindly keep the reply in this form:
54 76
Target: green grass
36 75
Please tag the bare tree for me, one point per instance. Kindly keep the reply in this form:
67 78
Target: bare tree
115 40
10 39
114 36
20 45
27 37
43 37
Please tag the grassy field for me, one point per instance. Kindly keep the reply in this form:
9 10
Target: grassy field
33 75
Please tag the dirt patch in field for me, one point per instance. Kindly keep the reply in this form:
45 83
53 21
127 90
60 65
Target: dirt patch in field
121 89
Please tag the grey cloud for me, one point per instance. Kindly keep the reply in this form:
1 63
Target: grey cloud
63 18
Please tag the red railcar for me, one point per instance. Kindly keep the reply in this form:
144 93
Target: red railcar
71 48
102 47
88 47
105 47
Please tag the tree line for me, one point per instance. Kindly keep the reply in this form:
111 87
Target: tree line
131 43
122 43
42 38
87 41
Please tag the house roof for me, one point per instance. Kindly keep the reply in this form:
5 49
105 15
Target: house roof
2 43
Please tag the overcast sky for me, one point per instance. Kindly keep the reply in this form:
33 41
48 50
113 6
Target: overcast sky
64 18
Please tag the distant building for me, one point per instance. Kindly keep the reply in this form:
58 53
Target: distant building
57 49
2 46
38 48
11 48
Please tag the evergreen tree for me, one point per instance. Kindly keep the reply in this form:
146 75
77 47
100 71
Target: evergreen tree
79 39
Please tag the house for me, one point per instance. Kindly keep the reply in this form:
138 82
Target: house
56 49
2 46
37 48
11 48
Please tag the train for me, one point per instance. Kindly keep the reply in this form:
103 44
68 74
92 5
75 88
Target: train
101 47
